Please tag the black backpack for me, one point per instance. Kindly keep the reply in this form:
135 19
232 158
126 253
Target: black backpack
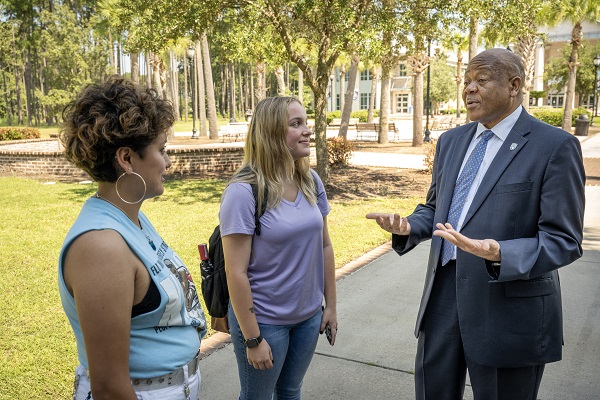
214 285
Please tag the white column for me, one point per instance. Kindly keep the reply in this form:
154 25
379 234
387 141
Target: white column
538 71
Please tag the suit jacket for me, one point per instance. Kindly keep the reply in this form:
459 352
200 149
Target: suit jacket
531 200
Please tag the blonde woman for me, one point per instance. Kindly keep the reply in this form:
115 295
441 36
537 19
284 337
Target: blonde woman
279 279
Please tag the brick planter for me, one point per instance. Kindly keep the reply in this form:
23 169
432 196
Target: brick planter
44 157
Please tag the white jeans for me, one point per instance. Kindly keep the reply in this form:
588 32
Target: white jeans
82 391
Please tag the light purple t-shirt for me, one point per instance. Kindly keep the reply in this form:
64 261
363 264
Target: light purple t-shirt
286 270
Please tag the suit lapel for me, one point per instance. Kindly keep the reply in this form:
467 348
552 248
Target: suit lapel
514 143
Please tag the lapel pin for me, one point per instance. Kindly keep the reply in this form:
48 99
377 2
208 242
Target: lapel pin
513 146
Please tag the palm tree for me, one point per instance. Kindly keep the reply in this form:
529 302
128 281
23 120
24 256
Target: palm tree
576 12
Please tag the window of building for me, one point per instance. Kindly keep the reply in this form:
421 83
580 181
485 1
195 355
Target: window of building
556 100
401 70
402 105
365 98
366 75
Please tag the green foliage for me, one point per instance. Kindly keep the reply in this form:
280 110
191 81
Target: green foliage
443 86
537 94
16 133
554 116
362 115
339 150
557 73
452 111
36 341
333 114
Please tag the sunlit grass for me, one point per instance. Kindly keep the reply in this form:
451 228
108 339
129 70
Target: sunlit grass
36 341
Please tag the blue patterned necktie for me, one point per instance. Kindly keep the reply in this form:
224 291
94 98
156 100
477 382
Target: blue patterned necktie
461 189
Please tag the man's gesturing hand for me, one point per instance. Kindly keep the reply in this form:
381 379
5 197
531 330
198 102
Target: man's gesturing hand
484 248
392 223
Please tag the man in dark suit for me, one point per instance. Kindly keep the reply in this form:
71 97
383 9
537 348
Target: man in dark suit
504 212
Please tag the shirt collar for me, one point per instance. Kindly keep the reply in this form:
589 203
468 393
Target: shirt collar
503 128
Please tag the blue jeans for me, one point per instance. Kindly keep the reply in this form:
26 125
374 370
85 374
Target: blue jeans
292 347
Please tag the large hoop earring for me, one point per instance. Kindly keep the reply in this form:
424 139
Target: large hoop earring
117 188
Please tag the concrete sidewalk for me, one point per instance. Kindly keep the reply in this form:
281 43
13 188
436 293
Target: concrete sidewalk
378 298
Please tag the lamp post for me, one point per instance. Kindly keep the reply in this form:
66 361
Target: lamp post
596 88
190 53
427 137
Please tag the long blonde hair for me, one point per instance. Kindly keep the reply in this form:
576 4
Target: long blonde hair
267 159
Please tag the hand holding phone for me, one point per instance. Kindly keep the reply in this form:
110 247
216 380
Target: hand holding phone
328 334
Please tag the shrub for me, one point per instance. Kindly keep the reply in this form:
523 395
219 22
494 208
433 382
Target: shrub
15 133
362 115
333 114
339 150
429 155
554 116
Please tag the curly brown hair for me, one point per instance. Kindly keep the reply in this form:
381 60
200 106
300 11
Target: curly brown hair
110 115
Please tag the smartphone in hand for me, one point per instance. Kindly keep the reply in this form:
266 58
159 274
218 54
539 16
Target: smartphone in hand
328 334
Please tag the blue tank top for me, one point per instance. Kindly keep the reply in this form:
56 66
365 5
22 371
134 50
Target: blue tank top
161 340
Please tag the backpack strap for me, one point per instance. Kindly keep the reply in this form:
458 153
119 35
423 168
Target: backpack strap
257 216
256 203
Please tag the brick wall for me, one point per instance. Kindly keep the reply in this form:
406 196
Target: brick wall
42 157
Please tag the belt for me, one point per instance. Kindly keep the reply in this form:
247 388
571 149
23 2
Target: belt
174 378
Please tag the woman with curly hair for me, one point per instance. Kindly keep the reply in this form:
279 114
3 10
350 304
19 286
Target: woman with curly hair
277 280
131 301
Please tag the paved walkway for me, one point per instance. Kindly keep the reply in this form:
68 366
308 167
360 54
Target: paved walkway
378 298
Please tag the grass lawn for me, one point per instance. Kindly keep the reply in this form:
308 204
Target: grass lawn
37 345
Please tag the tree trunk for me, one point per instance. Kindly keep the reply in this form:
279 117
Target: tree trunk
246 90
201 89
251 79
418 64
111 54
134 57
119 69
172 84
525 48
279 74
157 66
232 100
320 132
223 107
213 126
373 94
186 98
260 79
194 73
5 91
473 39
28 89
45 114
241 100
300 86
384 108
342 77
149 72
576 37
287 75
459 81
347 110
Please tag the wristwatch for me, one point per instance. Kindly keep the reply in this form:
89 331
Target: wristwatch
253 342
